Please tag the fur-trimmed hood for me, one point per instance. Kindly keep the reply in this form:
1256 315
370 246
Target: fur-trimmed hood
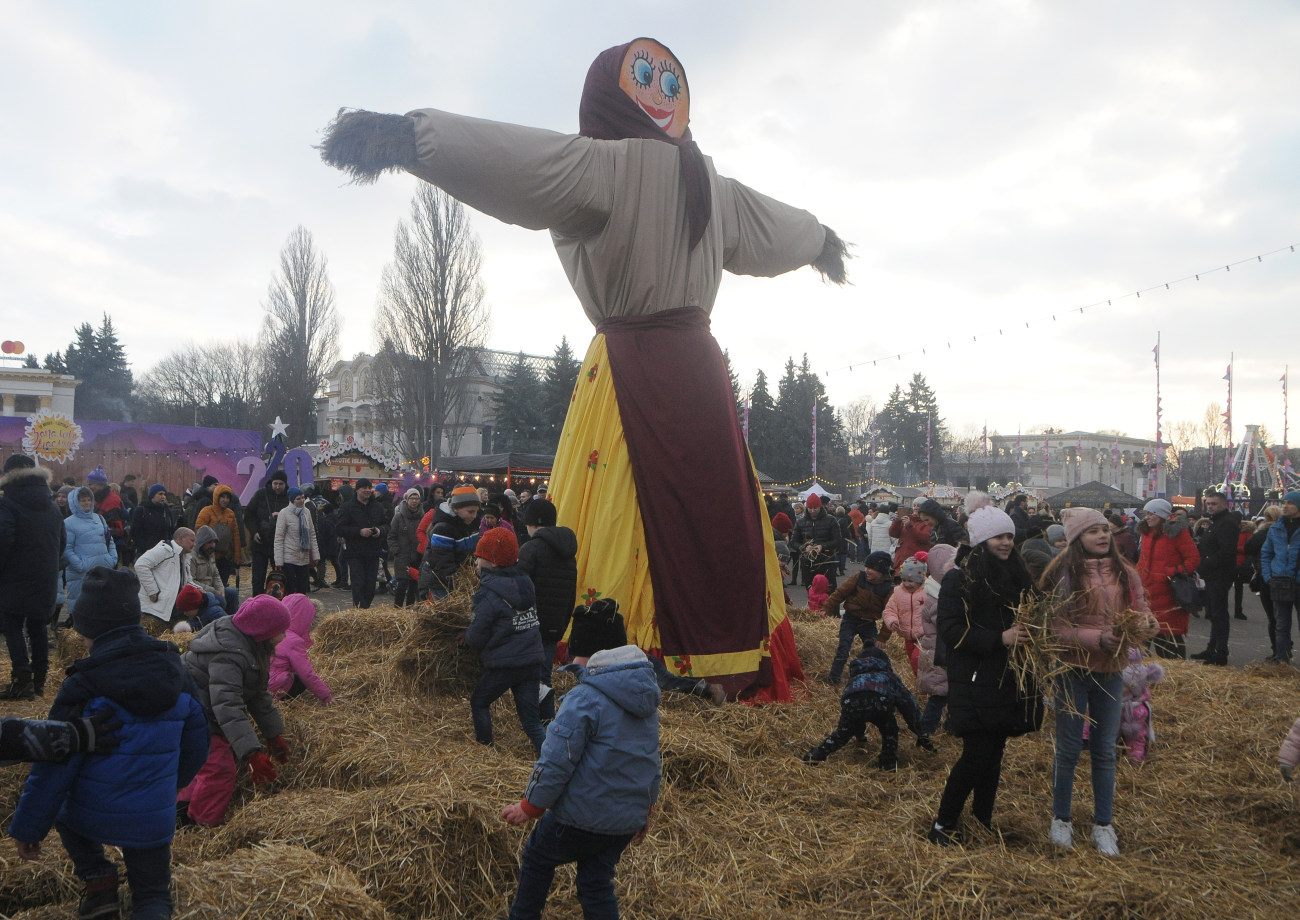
21 476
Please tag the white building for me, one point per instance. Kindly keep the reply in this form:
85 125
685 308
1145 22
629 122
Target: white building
349 406
1046 462
29 389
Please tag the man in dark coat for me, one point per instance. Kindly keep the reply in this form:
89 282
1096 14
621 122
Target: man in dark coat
550 559
1218 565
818 537
260 517
1019 513
31 545
363 524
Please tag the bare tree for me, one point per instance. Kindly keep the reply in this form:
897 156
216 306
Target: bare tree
300 335
431 320
860 429
213 386
967 453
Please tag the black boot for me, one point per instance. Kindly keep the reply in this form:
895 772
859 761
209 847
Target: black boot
888 759
38 682
20 686
99 902
1202 656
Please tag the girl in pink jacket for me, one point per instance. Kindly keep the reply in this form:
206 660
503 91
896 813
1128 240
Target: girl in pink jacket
1288 756
818 592
903 611
291 669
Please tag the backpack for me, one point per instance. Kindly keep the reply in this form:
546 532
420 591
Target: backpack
275 584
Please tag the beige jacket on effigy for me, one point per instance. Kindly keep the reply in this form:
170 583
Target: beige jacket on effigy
615 210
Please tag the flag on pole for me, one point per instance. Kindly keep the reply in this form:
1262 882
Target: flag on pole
814 440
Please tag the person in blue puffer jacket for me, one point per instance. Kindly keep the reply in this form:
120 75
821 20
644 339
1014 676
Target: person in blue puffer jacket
126 798
597 780
90 543
507 635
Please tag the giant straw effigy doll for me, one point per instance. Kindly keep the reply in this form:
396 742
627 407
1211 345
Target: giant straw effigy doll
652 455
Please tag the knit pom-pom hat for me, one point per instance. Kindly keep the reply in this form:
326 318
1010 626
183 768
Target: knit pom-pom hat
262 617
462 496
977 500
913 570
988 522
1077 520
499 547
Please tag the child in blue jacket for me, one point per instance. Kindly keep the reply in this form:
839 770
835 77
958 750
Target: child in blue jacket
507 635
124 799
872 695
597 780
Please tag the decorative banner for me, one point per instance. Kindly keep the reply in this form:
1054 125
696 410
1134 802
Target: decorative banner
51 436
1047 460
1286 453
1078 462
814 438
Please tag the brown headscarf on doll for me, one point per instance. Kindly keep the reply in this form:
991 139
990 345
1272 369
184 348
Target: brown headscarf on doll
639 90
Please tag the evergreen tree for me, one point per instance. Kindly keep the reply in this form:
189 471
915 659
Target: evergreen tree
790 443
519 420
762 419
902 424
557 393
30 361
736 392
98 360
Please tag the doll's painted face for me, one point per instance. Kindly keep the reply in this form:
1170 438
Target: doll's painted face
656 81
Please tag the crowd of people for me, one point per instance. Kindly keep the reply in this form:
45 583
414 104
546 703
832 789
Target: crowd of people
133 723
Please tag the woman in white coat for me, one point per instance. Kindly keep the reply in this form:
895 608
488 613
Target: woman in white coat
295 544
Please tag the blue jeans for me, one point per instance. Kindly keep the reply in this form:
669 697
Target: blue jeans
148 872
1099 696
851 627
1282 629
522 682
933 713
553 844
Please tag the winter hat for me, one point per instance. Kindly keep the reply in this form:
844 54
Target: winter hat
1056 532
109 599
940 559
596 628
409 492
1077 520
541 490
510 494
381 488
19 462
933 509
190 598
813 501
262 617
781 523
65 490
538 513
1293 498
1160 508
913 570
871 650
499 547
205 536
294 493
156 488
363 483
988 522
462 496
880 562
98 476
209 481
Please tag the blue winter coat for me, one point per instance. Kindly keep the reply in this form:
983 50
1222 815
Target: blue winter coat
600 768
1278 555
127 798
505 630
89 544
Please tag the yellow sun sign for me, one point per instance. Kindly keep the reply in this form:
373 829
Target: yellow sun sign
51 436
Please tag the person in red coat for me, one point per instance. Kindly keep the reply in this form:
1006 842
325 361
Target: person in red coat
1167 549
912 534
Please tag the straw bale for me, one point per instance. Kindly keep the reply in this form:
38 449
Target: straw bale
349 630
803 614
30 884
423 850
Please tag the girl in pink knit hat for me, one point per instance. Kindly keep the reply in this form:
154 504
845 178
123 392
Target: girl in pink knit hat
229 660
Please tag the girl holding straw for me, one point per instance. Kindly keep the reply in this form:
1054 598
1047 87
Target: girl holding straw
987 704
1100 612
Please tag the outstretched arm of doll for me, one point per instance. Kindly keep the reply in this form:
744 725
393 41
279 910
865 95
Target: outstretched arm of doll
830 263
365 145
765 237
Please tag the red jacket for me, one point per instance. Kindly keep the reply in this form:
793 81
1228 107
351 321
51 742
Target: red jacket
1163 554
912 539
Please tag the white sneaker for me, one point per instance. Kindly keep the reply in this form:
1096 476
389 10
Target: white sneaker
1104 839
1062 833
182 627
543 691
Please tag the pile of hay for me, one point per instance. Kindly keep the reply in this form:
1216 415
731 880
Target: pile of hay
389 786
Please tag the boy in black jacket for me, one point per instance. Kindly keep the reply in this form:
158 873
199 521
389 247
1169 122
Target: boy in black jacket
453 536
550 560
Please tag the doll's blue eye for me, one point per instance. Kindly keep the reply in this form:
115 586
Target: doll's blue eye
668 84
642 72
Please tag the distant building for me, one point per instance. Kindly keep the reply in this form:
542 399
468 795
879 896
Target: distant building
1063 460
350 404
29 389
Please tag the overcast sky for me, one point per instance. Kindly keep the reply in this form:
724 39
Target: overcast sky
993 163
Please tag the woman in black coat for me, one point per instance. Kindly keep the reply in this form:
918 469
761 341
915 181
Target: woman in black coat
976 621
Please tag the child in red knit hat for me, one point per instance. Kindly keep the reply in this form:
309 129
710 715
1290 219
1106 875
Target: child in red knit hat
507 636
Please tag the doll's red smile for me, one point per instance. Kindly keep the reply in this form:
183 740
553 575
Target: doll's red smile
661 117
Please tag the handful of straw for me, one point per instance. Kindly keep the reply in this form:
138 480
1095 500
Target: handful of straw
431 653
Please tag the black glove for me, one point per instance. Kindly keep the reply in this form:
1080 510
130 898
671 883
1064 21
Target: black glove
98 734
924 743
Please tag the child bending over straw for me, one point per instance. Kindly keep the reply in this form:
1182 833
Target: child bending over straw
507 636
1288 756
1100 613
597 779
873 694
291 669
